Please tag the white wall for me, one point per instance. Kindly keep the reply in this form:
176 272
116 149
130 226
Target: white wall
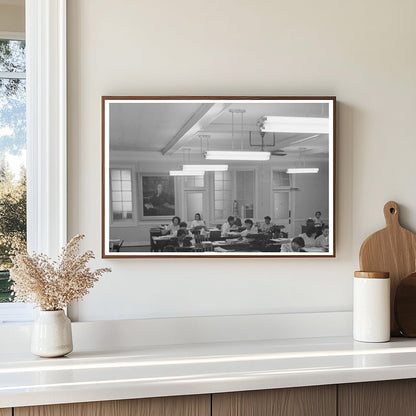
12 18
361 51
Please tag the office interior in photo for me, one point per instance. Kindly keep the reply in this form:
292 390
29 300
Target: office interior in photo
269 161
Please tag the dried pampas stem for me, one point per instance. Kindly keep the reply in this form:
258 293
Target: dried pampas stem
53 285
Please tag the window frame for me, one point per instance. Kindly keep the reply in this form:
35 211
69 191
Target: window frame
128 221
46 121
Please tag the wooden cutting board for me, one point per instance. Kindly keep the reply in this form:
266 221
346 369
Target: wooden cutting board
393 250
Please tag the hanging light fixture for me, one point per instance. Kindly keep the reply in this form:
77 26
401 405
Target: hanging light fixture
190 172
186 173
236 154
205 168
277 124
302 169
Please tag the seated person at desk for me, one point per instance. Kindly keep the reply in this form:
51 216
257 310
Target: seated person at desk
226 227
309 236
250 228
317 219
173 227
184 226
323 239
237 222
266 227
198 223
295 246
184 240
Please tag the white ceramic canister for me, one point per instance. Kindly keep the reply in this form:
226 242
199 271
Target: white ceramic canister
371 309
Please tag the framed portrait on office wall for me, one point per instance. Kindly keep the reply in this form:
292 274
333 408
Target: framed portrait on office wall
244 176
157 196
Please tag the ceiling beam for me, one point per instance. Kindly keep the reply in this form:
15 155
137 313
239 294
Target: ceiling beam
200 120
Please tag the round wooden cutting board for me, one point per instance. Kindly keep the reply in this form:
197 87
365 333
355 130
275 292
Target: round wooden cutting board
392 250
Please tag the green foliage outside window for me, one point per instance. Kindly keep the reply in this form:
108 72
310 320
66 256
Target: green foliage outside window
12 148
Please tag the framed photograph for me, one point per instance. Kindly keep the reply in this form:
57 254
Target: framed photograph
218 176
157 195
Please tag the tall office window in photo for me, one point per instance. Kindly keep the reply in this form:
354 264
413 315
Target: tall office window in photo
121 194
223 195
12 156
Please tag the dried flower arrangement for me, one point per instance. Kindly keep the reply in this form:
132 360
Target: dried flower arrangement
52 285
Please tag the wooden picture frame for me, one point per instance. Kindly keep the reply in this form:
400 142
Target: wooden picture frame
155 136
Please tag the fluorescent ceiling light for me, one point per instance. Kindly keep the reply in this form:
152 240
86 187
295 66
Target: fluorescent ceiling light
206 168
236 155
185 173
302 170
294 124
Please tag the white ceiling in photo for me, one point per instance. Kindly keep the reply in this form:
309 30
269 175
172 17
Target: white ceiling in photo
191 127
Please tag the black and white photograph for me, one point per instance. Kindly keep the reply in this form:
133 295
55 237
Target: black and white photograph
218 176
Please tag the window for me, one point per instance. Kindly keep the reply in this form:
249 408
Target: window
282 200
45 135
281 179
121 194
194 181
245 194
12 155
222 195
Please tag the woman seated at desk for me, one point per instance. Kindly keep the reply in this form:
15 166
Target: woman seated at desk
198 224
323 239
173 227
309 236
317 219
250 228
295 246
226 227
267 225
184 226
184 239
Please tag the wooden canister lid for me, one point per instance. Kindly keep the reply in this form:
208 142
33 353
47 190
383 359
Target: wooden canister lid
372 275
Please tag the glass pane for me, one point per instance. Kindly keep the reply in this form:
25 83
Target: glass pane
125 175
199 181
115 174
127 206
12 56
219 195
117 206
12 159
219 185
117 196
126 196
126 185
116 185
194 204
281 205
227 185
280 178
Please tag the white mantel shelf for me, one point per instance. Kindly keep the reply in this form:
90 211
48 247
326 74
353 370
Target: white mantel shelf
148 371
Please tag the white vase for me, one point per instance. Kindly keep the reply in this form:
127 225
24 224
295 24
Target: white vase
52 334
